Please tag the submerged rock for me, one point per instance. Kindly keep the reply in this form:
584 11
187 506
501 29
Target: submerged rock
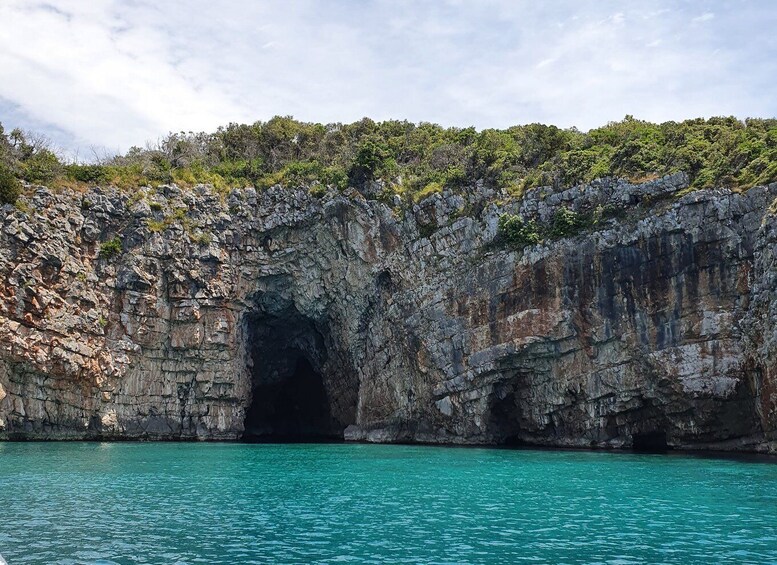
282 314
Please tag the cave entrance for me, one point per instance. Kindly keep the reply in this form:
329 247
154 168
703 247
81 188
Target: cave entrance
650 442
292 408
504 416
291 396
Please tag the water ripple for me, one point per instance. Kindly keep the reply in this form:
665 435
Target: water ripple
80 503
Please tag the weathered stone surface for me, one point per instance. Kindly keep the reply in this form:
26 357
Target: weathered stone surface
660 321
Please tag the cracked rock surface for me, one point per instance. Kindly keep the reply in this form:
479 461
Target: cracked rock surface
655 326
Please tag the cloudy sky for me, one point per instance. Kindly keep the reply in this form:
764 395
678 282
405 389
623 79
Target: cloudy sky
116 73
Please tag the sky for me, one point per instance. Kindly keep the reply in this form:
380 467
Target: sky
109 74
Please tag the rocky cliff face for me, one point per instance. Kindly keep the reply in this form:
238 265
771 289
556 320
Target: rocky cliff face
283 314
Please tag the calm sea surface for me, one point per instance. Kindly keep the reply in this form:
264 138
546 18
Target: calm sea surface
231 503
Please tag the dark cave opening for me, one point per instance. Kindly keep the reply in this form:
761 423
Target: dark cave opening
504 417
290 400
650 442
294 408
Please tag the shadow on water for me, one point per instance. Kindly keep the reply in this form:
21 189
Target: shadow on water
740 456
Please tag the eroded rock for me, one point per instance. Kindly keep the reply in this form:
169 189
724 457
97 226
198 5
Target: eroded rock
656 324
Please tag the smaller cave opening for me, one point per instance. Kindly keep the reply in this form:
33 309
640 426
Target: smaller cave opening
504 417
650 442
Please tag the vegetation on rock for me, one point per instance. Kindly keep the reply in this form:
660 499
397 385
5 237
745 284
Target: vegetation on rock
567 223
111 247
517 232
514 231
418 159
10 188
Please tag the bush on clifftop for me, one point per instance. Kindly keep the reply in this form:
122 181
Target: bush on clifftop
10 188
413 158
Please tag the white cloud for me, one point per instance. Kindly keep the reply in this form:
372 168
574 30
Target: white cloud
117 73
705 17
545 63
618 18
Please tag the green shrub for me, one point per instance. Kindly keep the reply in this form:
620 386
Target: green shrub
41 167
566 223
516 232
10 187
409 157
335 176
428 190
110 248
156 226
87 173
23 206
373 159
318 190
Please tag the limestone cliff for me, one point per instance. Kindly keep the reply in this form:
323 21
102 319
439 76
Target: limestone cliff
287 314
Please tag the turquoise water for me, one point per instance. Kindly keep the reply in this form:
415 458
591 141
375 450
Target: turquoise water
233 503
